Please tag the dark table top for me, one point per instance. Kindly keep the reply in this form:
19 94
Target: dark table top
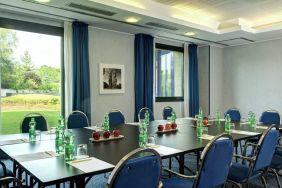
48 171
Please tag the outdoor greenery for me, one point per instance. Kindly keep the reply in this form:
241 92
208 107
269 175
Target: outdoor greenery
22 74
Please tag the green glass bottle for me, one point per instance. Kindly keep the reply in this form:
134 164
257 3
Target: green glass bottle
143 138
200 128
217 117
59 141
227 125
69 145
106 123
32 129
173 117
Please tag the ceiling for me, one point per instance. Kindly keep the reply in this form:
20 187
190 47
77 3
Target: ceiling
215 22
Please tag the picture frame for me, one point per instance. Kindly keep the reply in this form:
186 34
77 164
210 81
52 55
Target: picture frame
111 78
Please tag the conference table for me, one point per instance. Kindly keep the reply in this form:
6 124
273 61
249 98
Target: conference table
53 170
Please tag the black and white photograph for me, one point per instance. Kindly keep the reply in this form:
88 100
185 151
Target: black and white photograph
111 78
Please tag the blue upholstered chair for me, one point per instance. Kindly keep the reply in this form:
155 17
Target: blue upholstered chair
41 123
77 119
116 117
4 171
167 112
141 114
234 114
139 169
259 163
214 166
6 181
270 117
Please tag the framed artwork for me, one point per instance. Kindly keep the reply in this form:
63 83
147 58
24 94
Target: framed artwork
111 78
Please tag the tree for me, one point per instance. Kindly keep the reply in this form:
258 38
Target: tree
50 77
27 64
8 41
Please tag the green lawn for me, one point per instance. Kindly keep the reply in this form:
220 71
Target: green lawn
10 120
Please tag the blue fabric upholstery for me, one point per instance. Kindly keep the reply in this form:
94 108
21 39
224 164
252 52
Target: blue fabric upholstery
214 169
9 172
240 173
81 75
177 182
41 123
234 114
139 172
270 117
167 112
116 118
144 68
216 164
276 162
142 114
193 80
77 120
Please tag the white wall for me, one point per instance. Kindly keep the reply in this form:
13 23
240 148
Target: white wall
203 69
111 48
252 77
216 80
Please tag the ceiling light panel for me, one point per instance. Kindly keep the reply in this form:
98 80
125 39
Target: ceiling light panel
133 3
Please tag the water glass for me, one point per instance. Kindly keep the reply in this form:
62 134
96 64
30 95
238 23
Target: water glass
81 151
38 135
151 140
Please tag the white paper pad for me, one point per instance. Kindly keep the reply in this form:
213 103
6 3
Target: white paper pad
163 150
244 123
90 164
262 127
134 123
190 118
35 156
207 137
10 142
94 128
244 132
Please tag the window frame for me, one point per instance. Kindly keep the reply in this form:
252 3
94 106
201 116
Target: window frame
175 49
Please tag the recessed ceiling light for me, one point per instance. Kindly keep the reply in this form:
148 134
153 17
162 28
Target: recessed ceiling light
190 34
43 1
132 19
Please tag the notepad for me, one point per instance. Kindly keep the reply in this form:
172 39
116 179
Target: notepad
262 127
90 164
10 142
164 150
244 132
207 137
133 123
35 156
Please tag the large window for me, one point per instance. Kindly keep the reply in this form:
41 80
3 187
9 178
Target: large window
169 73
30 64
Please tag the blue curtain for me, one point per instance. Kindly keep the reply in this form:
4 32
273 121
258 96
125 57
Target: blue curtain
193 81
81 78
144 49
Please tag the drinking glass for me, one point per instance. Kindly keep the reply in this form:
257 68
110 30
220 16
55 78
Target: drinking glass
81 151
38 135
151 140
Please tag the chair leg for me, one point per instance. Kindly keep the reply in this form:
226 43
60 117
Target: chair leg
263 181
276 176
170 163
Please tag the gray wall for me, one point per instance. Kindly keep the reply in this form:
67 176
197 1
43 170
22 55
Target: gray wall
203 67
111 48
216 80
252 77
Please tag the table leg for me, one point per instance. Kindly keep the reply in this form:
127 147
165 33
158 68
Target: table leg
181 163
80 182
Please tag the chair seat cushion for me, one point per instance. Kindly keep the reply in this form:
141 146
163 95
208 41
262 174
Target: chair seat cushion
276 162
239 173
177 182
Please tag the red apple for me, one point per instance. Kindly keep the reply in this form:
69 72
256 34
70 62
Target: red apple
205 121
173 126
167 126
116 133
106 134
160 128
96 135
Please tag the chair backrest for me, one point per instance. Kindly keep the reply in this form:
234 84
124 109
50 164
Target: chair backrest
215 162
270 117
234 114
266 148
116 117
41 123
77 119
139 169
141 114
167 112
